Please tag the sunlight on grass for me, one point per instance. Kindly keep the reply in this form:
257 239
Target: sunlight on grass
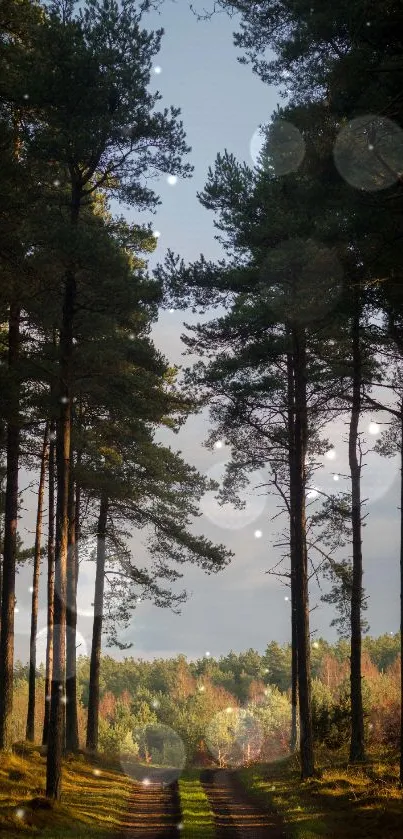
346 801
197 817
94 798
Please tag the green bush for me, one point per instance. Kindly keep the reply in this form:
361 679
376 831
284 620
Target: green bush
330 715
116 739
274 717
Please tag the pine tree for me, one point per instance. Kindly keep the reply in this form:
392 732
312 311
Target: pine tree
272 323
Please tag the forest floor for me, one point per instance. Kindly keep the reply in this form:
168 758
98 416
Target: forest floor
259 802
94 799
98 800
342 802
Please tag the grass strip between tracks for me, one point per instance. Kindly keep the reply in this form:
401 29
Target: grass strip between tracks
197 816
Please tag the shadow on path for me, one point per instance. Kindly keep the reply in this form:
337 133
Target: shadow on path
236 814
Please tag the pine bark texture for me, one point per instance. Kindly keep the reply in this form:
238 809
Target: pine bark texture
30 730
95 664
56 733
401 594
10 538
50 581
298 481
72 743
357 748
294 641
57 718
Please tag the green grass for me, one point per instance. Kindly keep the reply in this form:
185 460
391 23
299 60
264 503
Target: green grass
94 798
349 802
197 816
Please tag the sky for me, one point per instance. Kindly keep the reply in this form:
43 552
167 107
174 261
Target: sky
222 105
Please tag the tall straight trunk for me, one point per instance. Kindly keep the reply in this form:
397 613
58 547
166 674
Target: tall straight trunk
30 730
77 522
294 642
95 665
50 582
298 480
294 661
71 629
56 733
401 593
1 583
357 749
10 535
1 551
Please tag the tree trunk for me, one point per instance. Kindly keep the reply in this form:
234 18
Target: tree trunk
56 734
401 593
71 624
2 495
298 481
1 579
294 642
10 536
30 730
294 666
95 665
50 583
357 750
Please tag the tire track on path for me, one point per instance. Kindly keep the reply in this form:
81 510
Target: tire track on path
236 814
153 811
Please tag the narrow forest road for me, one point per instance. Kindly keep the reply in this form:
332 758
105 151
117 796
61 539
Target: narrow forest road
153 812
236 814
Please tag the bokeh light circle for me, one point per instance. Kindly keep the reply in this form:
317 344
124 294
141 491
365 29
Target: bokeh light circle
234 737
87 553
272 711
368 152
22 621
378 473
153 754
278 148
227 515
78 639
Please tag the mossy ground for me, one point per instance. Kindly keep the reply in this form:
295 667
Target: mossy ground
343 801
94 798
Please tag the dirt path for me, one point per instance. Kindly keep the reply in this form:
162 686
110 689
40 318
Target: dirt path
153 812
236 814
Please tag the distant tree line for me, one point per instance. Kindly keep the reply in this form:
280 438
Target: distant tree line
199 699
